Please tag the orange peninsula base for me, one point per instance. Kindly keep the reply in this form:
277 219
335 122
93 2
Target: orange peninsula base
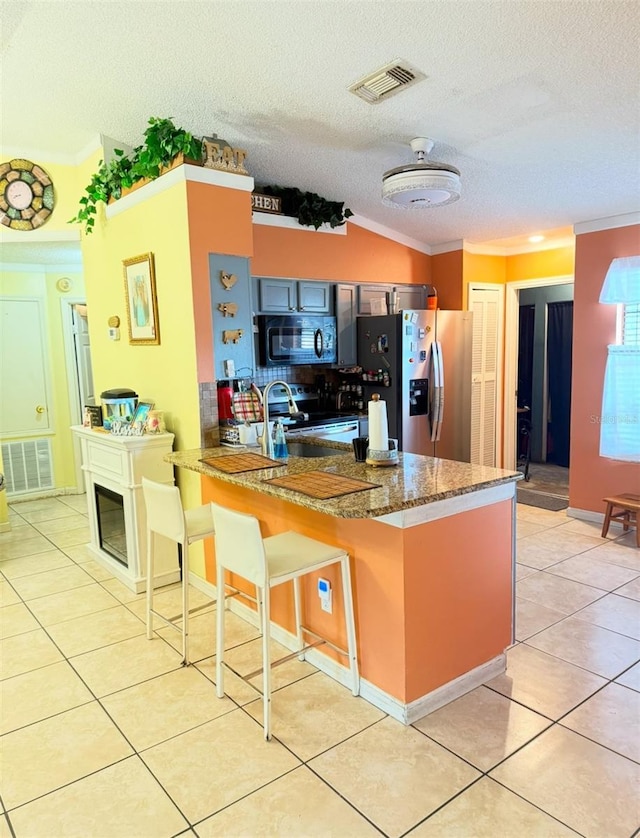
433 601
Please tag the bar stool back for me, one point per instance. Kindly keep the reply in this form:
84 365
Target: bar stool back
266 563
166 517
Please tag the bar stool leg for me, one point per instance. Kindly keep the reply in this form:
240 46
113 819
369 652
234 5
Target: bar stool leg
219 633
185 603
263 594
350 624
607 520
298 614
150 550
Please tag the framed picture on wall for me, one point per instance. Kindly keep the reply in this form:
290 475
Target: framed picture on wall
142 303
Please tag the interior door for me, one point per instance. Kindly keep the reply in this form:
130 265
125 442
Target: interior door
486 303
24 406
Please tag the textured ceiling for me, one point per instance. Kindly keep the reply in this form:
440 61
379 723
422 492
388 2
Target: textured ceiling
537 103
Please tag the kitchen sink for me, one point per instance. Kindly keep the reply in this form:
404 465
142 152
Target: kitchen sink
307 449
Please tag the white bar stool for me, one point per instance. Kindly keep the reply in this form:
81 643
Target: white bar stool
266 563
166 516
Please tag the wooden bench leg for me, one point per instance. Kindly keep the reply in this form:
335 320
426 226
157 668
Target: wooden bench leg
607 520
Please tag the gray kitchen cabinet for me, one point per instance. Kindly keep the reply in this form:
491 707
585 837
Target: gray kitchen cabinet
346 311
366 293
283 296
411 296
314 296
277 295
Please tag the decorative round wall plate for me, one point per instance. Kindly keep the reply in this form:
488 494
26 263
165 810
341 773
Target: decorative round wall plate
26 195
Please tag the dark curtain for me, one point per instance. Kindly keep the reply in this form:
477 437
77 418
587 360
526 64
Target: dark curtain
559 343
525 356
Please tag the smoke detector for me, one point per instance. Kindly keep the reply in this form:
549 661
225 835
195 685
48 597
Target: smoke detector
421 184
387 81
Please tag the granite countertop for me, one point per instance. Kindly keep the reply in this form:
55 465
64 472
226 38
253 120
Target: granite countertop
415 481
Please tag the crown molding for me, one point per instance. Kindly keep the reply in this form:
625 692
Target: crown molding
91 147
181 174
446 247
39 155
40 268
629 219
8 236
388 233
516 250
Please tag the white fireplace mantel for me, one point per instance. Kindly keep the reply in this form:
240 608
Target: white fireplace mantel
118 464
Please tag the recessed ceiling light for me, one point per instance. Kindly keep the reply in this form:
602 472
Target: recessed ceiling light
536 239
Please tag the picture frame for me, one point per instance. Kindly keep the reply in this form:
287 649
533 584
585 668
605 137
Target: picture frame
140 416
141 299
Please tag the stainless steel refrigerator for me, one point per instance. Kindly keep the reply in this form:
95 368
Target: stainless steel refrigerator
422 363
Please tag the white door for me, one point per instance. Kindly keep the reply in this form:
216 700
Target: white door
486 303
24 406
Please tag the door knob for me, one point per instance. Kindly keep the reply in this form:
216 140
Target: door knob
40 409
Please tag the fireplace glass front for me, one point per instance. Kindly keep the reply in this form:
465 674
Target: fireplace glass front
111 525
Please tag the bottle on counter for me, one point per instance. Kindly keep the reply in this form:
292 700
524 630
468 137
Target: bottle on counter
280 451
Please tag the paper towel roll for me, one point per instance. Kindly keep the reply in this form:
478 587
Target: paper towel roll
378 426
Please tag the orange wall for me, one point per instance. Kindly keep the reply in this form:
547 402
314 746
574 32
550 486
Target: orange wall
544 263
592 477
360 256
446 276
468 590
219 222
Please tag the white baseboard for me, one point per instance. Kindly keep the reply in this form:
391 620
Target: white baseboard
454 689
592 517
404 713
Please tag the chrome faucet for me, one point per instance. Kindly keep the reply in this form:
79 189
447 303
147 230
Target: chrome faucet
266 442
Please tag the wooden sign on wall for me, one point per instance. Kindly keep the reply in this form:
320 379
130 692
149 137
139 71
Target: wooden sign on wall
266 203
218 154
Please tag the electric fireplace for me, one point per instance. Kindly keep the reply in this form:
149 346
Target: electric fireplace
113 469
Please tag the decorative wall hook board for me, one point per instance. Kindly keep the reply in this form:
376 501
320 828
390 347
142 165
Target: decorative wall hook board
232 336
228 280
228 309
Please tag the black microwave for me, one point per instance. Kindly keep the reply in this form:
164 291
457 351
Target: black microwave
286 340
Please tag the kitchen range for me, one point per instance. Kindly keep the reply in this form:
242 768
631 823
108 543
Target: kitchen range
317 419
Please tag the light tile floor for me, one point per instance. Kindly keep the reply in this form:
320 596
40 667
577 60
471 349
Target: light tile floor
105 734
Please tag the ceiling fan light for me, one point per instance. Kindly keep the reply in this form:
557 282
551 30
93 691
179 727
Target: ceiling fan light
420 186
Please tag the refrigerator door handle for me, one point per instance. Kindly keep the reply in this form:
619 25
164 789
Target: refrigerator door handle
440 416
435 374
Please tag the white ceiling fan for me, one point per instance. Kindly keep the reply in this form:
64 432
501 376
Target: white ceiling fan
421 184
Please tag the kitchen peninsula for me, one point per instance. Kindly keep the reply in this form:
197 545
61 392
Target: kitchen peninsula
432 549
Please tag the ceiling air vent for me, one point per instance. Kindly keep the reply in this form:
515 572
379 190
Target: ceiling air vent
387 81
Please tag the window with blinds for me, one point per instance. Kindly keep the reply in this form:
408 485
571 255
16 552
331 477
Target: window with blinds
620 418
631 325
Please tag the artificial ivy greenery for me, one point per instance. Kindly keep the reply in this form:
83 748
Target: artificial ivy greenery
162 142
310 209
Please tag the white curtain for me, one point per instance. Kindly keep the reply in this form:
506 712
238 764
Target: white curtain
620 418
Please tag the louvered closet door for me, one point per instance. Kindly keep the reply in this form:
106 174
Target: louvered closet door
486 305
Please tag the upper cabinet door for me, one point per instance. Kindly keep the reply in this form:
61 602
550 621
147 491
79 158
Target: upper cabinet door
278 295
346 310
366 293
314 297
284 296
411 296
